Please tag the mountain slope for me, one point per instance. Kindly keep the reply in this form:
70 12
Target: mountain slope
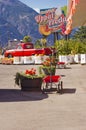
16 21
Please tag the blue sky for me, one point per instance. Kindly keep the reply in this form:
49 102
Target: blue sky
43 4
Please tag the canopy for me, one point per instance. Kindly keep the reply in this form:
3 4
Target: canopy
75 14
79 18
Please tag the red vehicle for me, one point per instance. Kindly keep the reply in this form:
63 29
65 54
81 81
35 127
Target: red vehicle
26 49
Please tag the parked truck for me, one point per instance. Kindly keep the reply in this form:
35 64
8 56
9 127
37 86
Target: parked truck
26 49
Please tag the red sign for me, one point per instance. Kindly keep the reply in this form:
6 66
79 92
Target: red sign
51 20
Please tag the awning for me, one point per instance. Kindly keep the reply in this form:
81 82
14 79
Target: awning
75 14
79 18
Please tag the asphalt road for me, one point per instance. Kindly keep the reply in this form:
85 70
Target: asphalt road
50 111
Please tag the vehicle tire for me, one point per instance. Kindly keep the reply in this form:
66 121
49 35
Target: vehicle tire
10 56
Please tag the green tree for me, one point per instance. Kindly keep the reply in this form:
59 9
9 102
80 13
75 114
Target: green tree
27 39
44 41
81 34
62 47
72 46
64 8
38 44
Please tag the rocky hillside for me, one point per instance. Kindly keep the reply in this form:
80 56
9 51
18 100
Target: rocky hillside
16 21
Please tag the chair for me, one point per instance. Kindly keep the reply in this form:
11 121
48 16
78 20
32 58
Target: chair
52 83
61 65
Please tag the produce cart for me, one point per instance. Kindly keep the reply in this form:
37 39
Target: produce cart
52 83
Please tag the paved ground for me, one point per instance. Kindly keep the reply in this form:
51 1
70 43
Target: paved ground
37 111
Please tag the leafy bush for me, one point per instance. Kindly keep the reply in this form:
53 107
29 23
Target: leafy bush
70 47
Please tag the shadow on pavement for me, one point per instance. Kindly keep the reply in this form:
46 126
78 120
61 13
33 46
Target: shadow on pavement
62 75
64 68
12 95
69 90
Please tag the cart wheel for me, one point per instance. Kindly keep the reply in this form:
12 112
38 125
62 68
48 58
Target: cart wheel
61 85
46 85
58 90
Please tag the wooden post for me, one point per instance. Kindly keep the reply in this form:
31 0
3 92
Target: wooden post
55 36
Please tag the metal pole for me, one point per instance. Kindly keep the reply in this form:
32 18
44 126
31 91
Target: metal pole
51 70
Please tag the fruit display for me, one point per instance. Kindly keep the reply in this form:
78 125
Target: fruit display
7 60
